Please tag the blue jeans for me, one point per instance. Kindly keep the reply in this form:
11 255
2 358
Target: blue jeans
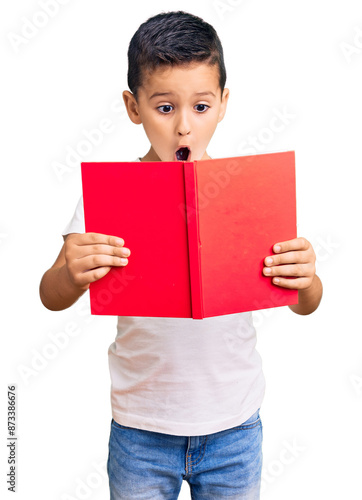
151 465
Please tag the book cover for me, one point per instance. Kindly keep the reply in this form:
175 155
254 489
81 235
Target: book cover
198 233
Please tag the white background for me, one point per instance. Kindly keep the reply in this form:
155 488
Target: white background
301 57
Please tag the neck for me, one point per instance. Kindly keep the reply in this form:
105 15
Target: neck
151 156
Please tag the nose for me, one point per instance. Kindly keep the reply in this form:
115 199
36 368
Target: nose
183 125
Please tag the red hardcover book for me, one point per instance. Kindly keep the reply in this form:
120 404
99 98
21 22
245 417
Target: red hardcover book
198 233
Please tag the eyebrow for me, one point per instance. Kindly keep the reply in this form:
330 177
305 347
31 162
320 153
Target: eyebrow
158 94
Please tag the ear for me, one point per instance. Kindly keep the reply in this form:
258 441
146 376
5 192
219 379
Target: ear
132 107
224 101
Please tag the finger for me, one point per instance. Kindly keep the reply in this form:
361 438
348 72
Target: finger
98 238
295 244
82 279
289 270
296 257
100 249
95 274
293 283
95 261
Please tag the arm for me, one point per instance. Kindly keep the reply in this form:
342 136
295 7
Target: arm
84 258
296 259
309 298
56 290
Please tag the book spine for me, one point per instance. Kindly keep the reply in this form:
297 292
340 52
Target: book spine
193 235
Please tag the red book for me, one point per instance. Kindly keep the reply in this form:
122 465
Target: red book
198 233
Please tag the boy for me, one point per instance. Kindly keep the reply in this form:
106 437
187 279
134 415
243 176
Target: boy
183 407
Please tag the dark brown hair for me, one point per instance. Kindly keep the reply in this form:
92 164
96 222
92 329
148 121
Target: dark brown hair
173 38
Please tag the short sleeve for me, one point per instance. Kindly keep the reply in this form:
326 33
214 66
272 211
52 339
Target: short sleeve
76 223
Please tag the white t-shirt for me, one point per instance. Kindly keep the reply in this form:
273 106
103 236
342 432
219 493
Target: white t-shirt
182 376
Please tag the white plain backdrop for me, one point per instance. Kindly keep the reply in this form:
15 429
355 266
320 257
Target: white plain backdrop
64 68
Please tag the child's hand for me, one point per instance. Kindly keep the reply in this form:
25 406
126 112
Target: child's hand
294 258
90 256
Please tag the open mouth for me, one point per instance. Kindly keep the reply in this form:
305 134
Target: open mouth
183 154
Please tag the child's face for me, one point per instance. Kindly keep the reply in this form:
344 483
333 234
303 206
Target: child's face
186 114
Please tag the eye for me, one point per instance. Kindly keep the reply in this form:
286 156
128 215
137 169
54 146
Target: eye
201 108
165 109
